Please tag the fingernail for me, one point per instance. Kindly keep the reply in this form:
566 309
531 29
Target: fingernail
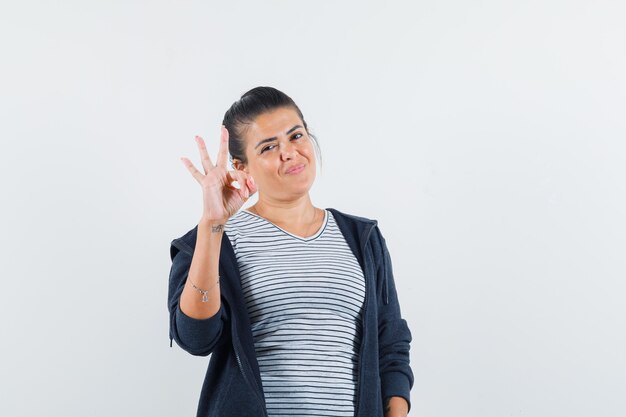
252 180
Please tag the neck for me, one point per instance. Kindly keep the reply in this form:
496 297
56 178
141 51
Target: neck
291 212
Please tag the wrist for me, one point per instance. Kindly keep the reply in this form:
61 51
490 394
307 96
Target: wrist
212 225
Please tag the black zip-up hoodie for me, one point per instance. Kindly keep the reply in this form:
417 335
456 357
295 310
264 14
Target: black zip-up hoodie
232 385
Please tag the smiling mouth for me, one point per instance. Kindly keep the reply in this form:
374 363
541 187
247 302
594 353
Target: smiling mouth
296 169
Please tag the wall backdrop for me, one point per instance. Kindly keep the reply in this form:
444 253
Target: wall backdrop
486 137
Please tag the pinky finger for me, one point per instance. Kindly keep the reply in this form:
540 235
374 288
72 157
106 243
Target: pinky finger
251 185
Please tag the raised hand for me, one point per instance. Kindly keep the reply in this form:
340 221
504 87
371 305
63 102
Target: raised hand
221 199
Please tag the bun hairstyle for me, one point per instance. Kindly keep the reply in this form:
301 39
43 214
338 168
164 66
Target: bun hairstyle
244 111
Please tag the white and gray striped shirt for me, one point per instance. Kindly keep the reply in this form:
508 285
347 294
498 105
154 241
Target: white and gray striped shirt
305 299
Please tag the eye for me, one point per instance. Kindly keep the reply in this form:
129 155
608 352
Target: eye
270 147
267 148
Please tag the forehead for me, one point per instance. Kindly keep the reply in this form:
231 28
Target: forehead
274 123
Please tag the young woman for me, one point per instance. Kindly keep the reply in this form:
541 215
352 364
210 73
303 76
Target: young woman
296 304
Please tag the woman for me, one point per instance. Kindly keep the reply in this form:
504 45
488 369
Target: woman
296 304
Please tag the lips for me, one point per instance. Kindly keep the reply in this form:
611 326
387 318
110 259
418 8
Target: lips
295 169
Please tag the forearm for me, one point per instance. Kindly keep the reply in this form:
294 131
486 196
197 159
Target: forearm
396 407
203 272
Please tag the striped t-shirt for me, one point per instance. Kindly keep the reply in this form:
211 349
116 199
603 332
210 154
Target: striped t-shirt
304 297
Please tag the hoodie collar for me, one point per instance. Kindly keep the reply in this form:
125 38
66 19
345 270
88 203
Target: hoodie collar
363 227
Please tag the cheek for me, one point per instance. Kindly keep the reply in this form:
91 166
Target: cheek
307 147
264 167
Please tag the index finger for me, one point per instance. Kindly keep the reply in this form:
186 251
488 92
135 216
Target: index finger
222 155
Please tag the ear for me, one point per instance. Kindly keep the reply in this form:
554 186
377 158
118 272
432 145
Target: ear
240 166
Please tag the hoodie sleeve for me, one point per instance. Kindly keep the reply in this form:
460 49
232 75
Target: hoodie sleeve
394 336
196 336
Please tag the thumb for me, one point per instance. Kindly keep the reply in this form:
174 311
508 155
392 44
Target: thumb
232 176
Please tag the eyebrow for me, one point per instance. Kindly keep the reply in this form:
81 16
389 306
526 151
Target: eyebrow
274 137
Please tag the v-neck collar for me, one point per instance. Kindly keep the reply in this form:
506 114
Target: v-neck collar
305 239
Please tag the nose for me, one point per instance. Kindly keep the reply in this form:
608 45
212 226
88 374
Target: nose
287 151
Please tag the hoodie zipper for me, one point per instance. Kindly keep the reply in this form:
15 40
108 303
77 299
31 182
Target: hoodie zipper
254 386
360 373
236 345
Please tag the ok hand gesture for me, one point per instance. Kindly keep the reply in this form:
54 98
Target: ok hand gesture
221 199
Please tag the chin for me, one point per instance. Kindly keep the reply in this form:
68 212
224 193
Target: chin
296 190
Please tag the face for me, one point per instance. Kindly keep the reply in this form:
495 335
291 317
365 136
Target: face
280 155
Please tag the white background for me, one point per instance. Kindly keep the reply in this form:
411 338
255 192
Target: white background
486 137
